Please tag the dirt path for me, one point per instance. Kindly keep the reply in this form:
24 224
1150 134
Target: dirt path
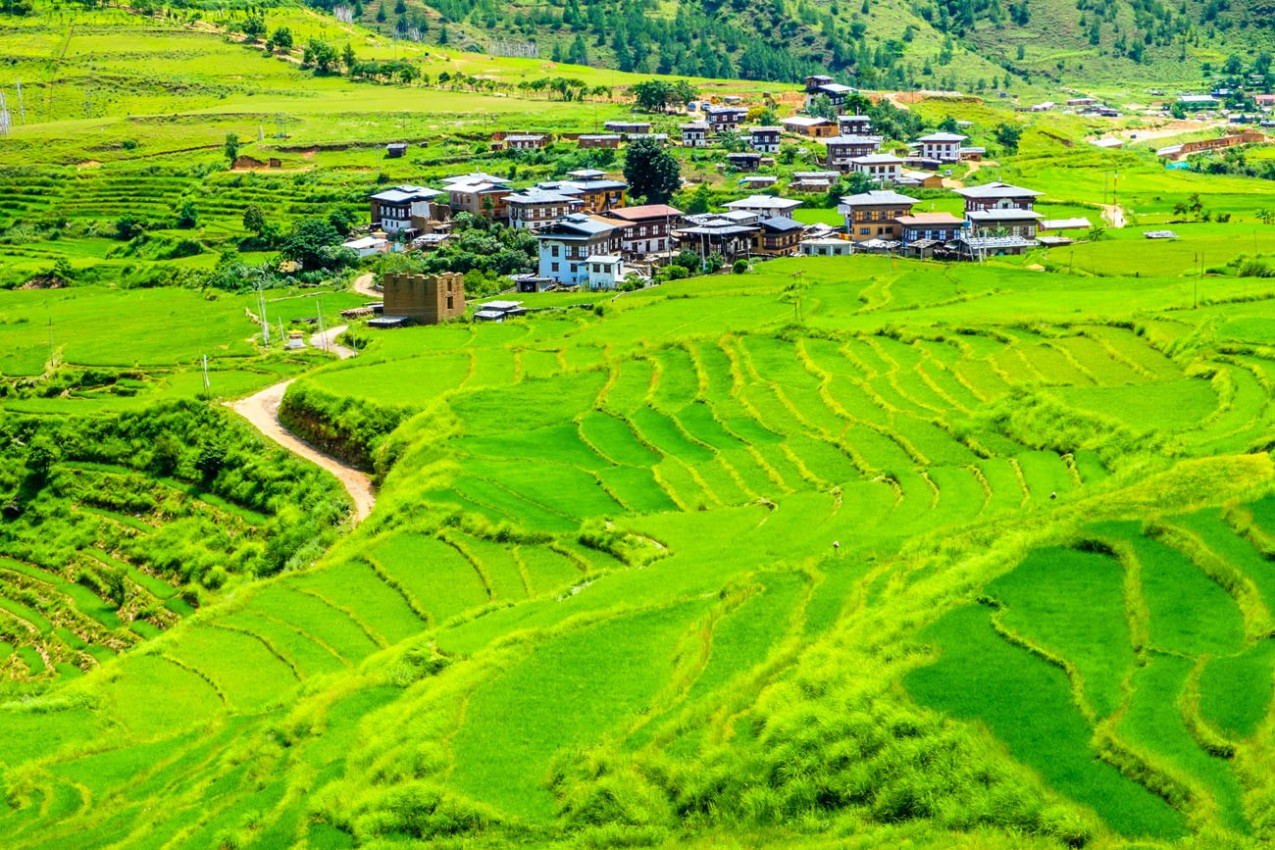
363 286
262 412
326 341
974 166
1113 214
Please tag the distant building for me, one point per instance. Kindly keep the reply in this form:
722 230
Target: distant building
764 206
481 197
695 134
813 181
806 125
875 215
423 299
393 209
744 161
1196 102
534 208
843 150
717 234
599 141
931 226
945 147
765 139
826 247
819 84
882 167
854 125
396 150
525 142
567 245
498 311
367 246
628 128
723 118
595 191
606 271
999 209
779 236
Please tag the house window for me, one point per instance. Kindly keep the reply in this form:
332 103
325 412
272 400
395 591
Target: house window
554 268
451 305
865 231
554 251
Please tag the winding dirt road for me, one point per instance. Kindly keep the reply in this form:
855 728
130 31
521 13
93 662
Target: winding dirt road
363 286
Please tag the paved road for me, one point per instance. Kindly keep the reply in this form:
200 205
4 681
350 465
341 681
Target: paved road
262 411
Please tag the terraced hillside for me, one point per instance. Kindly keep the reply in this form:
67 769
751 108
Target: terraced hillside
837 548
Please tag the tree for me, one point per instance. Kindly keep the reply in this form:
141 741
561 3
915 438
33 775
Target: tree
188 216
652 171
310 242
343 220
281 39
578 54
319 54
380 14
651 95
254 220
822 107
949 125
701 199
348 57
254 27
1007 136
231 148
128 227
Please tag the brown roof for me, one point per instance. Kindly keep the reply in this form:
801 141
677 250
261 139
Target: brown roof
929 218
647 211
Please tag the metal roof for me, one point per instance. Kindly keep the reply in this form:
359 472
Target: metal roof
763 202
1003 215
997 190
877 196
943 137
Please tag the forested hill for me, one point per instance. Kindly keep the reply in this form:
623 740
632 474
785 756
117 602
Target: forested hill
889 44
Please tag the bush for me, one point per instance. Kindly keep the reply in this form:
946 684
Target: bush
739 266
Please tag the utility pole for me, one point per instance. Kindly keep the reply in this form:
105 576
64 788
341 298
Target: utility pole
207 386
261 305
52 358
22 111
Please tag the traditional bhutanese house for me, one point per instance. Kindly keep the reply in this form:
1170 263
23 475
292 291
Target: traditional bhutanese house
599 140
525 142
722 118
779 236
567 245
605 271
708 234
875 214
935 226
806 125
813 181
534 208
764 206
820 84
842 150
764 139
392 209
854 125
592 187
882 167
695 134
744 161
999 209
480 197
945 147
649 228
630 128
919 180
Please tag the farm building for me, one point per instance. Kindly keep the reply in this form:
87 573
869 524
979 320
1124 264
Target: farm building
744 161
919 180
395 150
599 141
367 246
764 206
805 125
875 214
765 139
722 118
628 128
423 299
525 142
758 181
529 282
813 181
1247 137
854 125
695 134
1197 102
498 311
534 208
1058 225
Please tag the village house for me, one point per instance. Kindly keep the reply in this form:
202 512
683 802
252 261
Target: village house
972 153
842 150
606 271
929 226
827 246
764 139
764 206
484 198
875 214
695 134
525 142
854 125
367 246
710 234
723 118
820 84
919 180
629 128
1001 210
392 209
756 182
567 245
535 208
649 229
882 167
1082 101
779 236
598 141
945 147
805 125
744 161
813 181
596 192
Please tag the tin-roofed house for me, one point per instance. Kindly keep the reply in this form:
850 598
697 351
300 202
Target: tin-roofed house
875 214
393 209
567 245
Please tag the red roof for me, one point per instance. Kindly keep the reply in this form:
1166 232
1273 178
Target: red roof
647 211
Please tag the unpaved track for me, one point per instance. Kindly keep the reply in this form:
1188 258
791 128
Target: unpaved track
262 411
326 341
363 286
1114 214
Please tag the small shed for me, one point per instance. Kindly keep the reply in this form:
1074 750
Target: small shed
395 150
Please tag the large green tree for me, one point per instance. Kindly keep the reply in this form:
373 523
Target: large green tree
652 171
